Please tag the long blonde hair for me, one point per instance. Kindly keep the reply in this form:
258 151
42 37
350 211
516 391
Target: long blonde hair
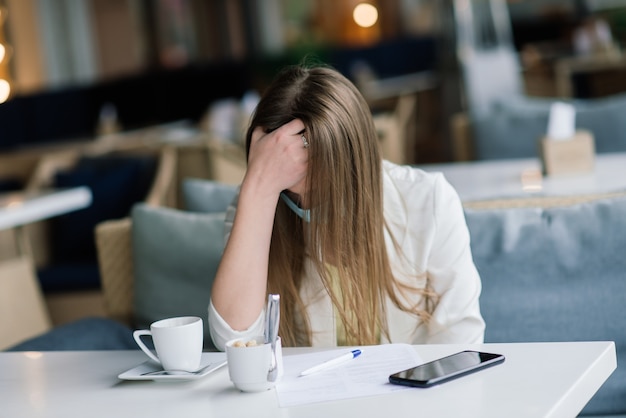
345 194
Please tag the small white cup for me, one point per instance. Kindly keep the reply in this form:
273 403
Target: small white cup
177 341
248 366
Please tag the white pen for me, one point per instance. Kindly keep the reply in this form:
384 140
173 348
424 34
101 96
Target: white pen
332 362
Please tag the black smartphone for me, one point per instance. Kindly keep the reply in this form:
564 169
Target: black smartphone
446 368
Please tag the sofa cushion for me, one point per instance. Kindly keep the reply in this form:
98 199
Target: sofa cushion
604 117
200 195
508 133
514 127
10 184
63 277
175 256
556 274
116 183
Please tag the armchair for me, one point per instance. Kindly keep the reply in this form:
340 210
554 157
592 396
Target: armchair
160 262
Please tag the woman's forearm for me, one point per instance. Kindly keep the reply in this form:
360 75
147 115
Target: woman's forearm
277 161
241 281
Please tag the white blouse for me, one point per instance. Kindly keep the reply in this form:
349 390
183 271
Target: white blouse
424 214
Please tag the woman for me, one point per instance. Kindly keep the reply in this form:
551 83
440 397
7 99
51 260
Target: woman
362 251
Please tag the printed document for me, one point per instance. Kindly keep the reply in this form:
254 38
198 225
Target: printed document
365 375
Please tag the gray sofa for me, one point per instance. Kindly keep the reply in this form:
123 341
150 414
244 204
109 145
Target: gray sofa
556 274
513 127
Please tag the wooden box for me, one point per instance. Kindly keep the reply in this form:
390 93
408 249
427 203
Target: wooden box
570 156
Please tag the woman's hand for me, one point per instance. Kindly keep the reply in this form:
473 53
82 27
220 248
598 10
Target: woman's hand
278 160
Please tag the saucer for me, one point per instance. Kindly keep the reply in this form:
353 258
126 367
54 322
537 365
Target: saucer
209 363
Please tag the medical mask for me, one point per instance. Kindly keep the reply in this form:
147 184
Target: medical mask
304 214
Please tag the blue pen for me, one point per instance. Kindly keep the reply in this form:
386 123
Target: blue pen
332 363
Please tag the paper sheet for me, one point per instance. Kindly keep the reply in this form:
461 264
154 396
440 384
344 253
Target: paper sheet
366 375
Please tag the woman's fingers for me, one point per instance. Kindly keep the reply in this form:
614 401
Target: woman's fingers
279 156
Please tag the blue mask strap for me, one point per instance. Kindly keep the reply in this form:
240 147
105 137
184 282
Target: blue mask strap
304 214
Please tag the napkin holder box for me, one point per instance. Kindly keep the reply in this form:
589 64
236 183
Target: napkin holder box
568 156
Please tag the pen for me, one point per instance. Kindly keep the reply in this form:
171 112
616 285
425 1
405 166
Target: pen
332 363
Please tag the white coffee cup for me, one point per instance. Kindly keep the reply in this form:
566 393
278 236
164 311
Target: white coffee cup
248 367
177 341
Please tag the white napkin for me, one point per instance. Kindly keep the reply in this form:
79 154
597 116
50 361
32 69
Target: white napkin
562 122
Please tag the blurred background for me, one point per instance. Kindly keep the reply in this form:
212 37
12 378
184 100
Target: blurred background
158 61
131 99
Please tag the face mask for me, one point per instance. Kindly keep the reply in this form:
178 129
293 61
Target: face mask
304 214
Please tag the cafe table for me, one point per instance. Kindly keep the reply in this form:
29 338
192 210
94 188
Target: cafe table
21 208
519 178
536 380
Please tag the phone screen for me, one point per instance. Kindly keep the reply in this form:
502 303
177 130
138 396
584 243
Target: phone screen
446 368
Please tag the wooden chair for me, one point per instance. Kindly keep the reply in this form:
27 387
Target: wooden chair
115 261
114 242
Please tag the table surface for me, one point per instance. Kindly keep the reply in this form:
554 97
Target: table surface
20 208
494 179
536 380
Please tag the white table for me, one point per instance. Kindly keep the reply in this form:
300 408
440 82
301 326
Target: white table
20 208
536 380
494 179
